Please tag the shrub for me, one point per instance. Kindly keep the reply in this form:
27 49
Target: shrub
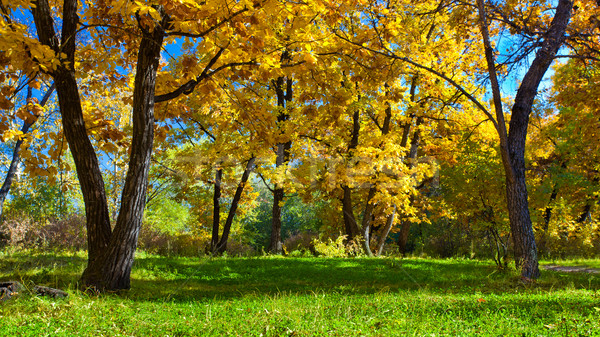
337 248
23 232
302 242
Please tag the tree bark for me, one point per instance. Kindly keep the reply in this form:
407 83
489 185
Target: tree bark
513 145
111 271
547 217
16 157
283 156
216 211
350 224
222 245
84 156
385 232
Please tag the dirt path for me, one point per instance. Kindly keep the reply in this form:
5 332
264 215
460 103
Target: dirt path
571 269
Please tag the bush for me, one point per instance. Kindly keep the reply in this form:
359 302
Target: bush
23 232
302 242
337 248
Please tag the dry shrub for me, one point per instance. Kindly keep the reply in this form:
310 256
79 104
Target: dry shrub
68 233
21 231
302 241
17 232
239 248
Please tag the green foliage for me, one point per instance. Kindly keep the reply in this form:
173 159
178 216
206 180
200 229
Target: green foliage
41 200
331 248
297 216
167 216
300 297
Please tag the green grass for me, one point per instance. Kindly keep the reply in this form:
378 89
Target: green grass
273 296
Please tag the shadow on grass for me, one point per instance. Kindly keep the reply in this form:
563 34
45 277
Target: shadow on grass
157 278
61 270
184 280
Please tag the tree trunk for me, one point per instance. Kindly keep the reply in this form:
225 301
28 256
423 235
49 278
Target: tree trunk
368 213
513 146
283 156
84 156
222 246
412 161
385 232
111 271
16 157
586 214
350 225
216 211
547 217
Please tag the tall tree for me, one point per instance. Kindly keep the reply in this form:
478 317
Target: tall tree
110 255
512 143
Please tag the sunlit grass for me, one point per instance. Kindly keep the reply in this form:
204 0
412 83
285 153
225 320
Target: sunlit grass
274 296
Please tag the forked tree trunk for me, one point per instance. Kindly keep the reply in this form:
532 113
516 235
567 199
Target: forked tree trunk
370 205
84 156
113 268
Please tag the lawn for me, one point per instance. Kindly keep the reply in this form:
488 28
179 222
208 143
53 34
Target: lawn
276 296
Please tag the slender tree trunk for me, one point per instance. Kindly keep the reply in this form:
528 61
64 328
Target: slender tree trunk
350 224
222 246
283 156
16 157
84 156
513 145
368 213
412 160
111 271
216 211
385 232
586 214
547 217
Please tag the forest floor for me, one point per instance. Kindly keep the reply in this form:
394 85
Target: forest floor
285 296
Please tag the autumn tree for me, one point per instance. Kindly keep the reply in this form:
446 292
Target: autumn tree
140 36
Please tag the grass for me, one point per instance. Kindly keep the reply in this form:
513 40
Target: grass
274 296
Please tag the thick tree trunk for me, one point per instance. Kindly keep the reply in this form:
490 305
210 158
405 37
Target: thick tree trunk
222 246
283 156
111 271
513 145
350 224
216 211
403 236
84 156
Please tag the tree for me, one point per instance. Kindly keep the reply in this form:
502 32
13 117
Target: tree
111 251
30 113
512 143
